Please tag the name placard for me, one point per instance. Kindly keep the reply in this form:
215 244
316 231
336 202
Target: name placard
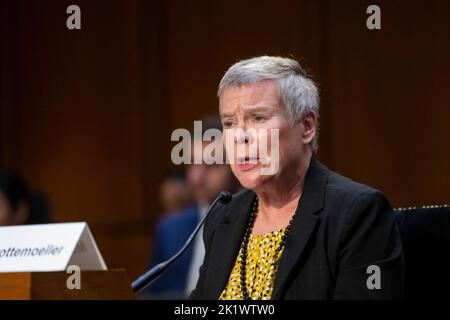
48 247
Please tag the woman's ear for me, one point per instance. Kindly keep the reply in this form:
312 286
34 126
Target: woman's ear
309 124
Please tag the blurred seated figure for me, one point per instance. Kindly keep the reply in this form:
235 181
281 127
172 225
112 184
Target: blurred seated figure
172 231
19 205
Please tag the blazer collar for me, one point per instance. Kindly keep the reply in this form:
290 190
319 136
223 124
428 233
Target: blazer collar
229 234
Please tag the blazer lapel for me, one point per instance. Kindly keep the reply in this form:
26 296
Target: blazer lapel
226 244
303 225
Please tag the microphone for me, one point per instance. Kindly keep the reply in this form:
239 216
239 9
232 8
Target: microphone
151 275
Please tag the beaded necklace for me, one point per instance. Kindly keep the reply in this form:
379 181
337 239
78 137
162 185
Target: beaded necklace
244 246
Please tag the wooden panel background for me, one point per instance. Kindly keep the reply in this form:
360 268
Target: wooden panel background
86 115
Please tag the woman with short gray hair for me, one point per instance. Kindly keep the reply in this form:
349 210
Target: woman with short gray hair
302 231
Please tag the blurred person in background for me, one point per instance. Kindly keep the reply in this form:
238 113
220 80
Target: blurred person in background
172 231
175 192
18 204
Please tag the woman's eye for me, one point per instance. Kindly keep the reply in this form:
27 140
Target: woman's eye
260 118
227 124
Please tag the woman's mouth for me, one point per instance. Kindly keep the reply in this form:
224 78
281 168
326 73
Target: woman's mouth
247 163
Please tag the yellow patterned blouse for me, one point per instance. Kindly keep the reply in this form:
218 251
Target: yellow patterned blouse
262 263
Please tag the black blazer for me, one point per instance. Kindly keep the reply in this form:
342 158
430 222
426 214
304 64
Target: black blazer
340 228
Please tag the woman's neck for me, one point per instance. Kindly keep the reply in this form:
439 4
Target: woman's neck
278 200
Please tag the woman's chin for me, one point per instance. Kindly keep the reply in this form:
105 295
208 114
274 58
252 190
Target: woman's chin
250 180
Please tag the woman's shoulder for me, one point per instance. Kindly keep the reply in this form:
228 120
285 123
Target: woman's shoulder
344 198
347 189
352 202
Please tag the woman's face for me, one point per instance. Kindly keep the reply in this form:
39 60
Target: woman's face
258 108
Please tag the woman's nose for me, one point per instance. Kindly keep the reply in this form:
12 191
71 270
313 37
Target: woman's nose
241 136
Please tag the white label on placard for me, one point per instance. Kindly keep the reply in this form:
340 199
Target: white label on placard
48 247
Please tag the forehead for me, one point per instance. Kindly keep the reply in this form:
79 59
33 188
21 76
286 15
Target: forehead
261 94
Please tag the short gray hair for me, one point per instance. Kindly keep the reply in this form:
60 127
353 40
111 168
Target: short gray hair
298 91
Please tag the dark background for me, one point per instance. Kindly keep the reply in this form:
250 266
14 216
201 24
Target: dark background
86 115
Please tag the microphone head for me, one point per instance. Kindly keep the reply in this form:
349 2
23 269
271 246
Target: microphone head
225 196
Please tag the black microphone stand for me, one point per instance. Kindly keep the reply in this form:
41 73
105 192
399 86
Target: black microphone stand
151 275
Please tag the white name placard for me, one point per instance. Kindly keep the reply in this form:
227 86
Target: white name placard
48 247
